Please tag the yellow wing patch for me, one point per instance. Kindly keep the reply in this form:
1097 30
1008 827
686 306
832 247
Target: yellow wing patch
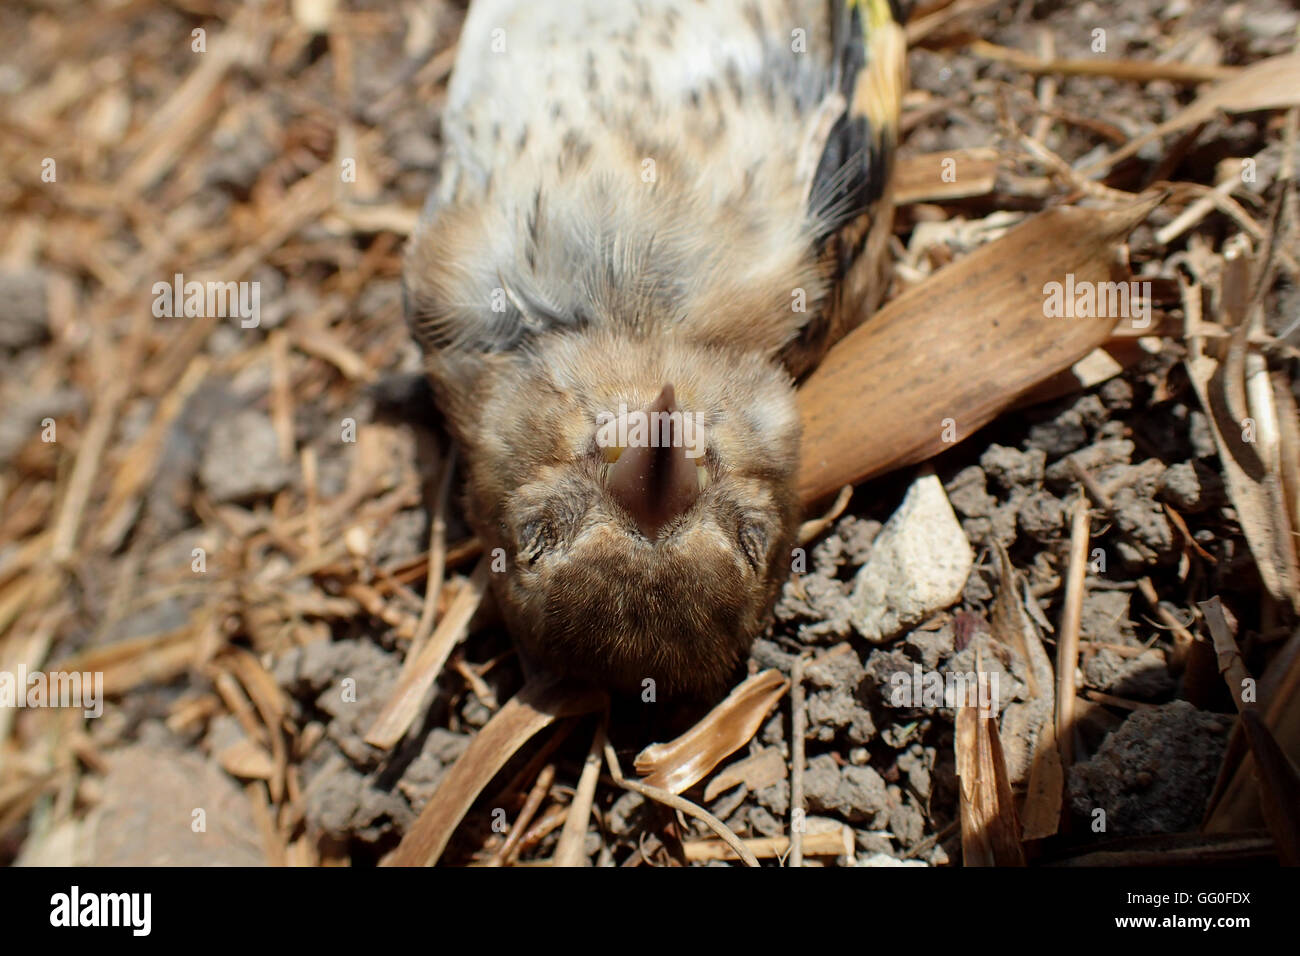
878 88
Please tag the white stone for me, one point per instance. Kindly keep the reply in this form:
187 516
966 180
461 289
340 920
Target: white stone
918 565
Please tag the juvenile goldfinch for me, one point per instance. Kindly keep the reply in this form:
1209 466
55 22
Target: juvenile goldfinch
651 218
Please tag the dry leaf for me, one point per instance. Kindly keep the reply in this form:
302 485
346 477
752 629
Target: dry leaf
1269 84
990 831
1278 779
942 177
1013 626
963 346
1234 804
535 707
678 764
1256 493
1099 365
756 772
1279 787
1288 451
246 759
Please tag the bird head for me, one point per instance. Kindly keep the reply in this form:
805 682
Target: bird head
641 496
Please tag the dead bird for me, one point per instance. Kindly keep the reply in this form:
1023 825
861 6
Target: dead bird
650 220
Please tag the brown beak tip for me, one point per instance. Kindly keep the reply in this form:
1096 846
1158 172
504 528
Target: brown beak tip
667 400
655 485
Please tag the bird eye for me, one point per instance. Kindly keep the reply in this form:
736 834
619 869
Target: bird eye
535 538
753 542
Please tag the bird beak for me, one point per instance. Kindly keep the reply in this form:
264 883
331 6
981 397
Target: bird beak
657 484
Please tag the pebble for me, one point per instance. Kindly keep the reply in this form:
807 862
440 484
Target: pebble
242 459
918 565
24 320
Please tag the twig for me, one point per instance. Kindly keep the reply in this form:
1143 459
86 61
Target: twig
1101 697
798 730
1067 173
679 803
1137 70
1231 666
437 566
1046 88
815 526
1067 647
1103 501
1194 213
551 821
922 27
87 468
836 842
1183 638
403 706
509 850
569 851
